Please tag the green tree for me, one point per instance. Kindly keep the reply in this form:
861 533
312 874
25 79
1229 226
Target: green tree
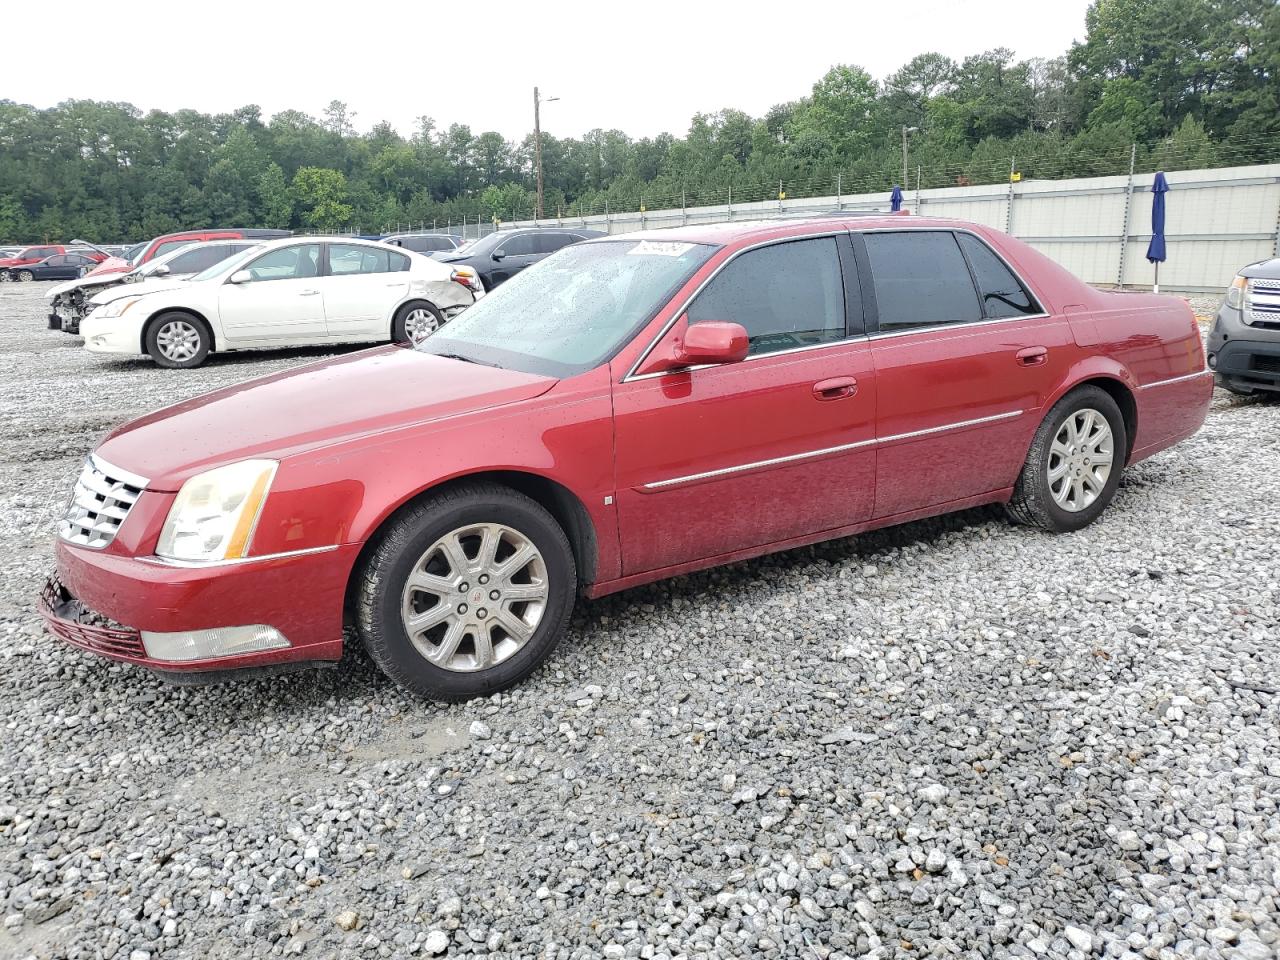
275 199
320 196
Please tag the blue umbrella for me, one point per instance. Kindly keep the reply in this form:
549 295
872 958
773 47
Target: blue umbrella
1155 249
895 199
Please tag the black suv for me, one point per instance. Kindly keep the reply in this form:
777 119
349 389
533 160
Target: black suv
503 254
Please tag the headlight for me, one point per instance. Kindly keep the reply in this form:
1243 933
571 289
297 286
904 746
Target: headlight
116 307
215 513
1235 293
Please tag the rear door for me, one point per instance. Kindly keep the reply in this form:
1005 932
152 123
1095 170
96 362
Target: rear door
281 301
363 284
965 358
715 460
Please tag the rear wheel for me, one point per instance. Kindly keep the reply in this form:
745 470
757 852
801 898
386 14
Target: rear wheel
1074 465
466 593
416 321
178 340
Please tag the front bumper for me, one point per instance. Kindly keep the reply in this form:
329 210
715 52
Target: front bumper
1244 357
100 601
115 335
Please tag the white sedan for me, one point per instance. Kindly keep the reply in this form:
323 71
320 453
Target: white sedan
297 291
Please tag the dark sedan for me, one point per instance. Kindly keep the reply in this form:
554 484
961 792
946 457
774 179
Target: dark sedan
503 254
62 266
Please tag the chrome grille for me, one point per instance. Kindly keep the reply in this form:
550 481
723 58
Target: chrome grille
102 499
1262 302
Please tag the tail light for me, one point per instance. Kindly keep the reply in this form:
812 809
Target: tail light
467 277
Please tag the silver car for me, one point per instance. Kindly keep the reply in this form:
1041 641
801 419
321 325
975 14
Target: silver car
1244 345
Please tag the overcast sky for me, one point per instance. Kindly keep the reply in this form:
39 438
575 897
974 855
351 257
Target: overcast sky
643 68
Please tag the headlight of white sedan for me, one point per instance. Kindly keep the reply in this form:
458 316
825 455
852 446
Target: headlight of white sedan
116 307
215 513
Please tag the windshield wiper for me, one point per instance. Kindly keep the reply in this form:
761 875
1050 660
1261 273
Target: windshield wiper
458 356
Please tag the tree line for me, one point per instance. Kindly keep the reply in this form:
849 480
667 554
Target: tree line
1191 82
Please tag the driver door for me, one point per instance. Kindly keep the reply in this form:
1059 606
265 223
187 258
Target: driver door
514 255
718 460
281 302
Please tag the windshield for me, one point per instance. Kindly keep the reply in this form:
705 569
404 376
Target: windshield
573 310
223 267
133 253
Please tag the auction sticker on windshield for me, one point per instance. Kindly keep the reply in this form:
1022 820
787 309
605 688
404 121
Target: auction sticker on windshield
659 248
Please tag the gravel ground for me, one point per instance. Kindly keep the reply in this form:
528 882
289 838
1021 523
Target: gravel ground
954 738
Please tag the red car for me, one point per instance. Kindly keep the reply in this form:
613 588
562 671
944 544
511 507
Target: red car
629 409
146 252
31 255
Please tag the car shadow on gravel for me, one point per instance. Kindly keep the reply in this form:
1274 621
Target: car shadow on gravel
238 358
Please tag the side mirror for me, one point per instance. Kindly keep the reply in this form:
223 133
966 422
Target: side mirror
161 271
240 276
691 344
499 254
712 341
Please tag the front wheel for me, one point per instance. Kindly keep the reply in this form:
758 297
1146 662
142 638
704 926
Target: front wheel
466 593
1074 465
178 340
26 276
416 321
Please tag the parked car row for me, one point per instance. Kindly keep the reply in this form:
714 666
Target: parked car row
632 408
68 302
50 261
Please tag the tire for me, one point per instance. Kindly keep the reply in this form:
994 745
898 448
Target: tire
178 340
415 313
1078 494
26 276
411 544
55 322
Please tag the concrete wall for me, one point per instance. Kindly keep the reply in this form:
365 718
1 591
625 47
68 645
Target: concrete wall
1097 227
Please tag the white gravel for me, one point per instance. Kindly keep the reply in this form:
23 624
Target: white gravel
954 738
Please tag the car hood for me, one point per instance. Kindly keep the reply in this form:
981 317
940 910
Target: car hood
317 405
139 289
110 265
1263 270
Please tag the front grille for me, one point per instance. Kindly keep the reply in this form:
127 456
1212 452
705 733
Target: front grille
65 617
1262 302
1265 363
102 499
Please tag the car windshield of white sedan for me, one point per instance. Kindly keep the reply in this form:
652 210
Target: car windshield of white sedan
572 311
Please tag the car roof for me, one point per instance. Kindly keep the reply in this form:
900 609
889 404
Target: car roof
748 231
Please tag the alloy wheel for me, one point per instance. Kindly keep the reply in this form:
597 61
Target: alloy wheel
475 597
419 324
26 276
1080 459
178 340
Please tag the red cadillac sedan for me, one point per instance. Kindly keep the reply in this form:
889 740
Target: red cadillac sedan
632 408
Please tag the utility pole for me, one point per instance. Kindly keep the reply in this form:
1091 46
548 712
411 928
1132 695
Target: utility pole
905 130
537 145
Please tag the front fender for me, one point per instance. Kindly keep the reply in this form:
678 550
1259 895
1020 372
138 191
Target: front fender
344 493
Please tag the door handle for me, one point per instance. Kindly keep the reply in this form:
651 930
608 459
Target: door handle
308 293
836 388
1032 356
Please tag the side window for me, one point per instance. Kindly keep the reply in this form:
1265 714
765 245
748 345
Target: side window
346 259
399 262
199 258
1002 294
551 242
58 261
43 252
920 280
786 295
522 244
287 263
169 245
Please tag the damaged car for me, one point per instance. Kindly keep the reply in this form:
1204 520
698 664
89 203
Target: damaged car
301 291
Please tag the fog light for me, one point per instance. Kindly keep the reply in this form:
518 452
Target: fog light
1213 361
208 644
